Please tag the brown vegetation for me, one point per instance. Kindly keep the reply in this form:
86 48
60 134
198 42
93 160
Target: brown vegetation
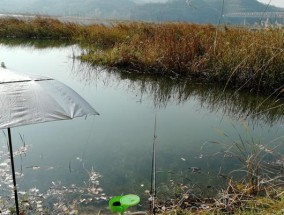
235 57
38 28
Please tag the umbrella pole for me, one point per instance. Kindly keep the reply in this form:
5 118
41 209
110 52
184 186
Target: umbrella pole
13 171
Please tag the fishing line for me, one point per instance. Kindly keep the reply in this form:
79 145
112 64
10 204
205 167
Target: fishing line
222 13
87 142
265 10
219 22
5 135
153 192
88 139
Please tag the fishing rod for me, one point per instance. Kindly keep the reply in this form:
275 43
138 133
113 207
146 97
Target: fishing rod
121 203
153 192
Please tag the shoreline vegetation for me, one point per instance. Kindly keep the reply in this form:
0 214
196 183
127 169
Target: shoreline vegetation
232 57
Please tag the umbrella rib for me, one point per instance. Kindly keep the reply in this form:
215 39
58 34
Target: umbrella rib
13 171
9 82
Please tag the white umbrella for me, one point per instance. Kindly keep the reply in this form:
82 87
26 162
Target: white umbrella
28 99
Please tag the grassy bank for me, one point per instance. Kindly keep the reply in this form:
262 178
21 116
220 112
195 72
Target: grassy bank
235 57
198 52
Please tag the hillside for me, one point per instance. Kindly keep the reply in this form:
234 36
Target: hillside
198 11
85 8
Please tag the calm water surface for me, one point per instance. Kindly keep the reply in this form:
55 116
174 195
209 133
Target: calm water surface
118 143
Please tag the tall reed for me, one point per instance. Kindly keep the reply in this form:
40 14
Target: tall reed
238 57
38 28
241 58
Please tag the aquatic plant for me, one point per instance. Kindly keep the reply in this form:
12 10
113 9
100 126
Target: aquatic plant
259 178
255 186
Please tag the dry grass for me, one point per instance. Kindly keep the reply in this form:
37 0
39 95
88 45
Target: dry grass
258 191
38 28
236 57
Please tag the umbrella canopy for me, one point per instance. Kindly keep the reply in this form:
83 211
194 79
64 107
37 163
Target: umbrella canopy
26 99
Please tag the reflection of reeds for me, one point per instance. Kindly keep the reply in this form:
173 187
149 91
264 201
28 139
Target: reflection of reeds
36 43
238 57
163 90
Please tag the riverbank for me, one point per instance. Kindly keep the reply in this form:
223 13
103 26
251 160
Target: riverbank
234 57
234 200
240 191
256 187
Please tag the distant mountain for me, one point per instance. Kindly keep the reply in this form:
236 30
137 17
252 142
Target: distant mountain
85 8
179 10
147 1
198 11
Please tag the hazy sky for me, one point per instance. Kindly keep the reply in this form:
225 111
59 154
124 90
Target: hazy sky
278 3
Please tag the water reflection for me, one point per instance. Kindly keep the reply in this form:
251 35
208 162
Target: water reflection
237 105
164 90
118 143
36 43
212 164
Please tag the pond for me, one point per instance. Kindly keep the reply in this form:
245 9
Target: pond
192 120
